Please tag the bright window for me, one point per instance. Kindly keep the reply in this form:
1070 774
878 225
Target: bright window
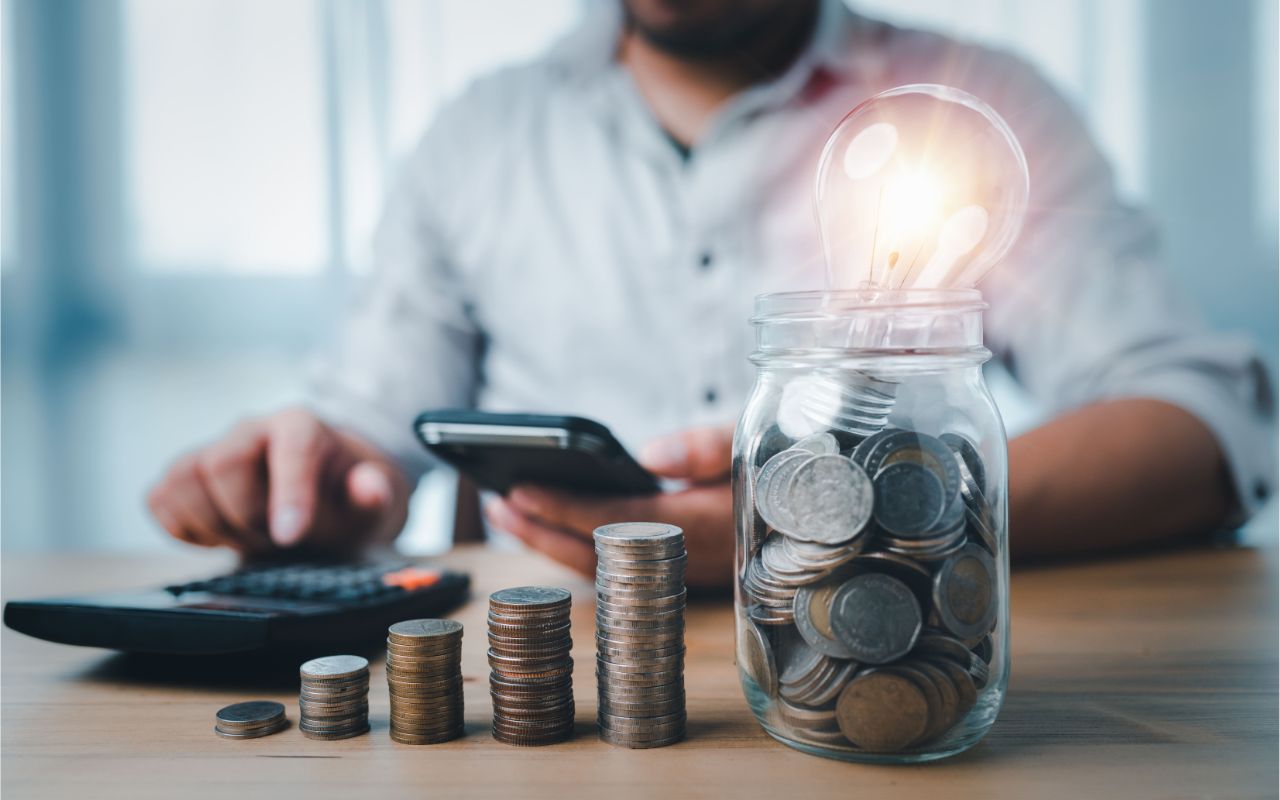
225 135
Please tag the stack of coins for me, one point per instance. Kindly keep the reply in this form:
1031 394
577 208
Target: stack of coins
532 674
250 720
334 703
424 678
640 600
872 585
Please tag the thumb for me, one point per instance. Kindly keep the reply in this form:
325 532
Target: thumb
698 454
369 486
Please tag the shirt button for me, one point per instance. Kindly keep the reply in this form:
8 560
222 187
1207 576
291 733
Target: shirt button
710 395
705 261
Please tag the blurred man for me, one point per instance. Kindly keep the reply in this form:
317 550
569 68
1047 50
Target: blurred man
584 235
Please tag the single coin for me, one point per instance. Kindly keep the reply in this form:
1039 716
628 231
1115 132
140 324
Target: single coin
964 593
909 498
530 597
415 629
332 667
830 498
758 660
882 712
876 616
250 713
629 534
765 481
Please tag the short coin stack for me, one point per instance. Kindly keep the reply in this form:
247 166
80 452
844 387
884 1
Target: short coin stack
640 600
424 679
250 720
532 674
334 702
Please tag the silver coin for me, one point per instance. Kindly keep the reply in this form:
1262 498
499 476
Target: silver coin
964 593
830 499
250 712
765 479
426 628
776 493
531 597
334 666
758 659
876 616
630 534
909 498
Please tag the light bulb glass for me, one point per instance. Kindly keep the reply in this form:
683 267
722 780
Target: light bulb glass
923 186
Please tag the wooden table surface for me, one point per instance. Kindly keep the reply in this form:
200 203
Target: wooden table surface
1142 677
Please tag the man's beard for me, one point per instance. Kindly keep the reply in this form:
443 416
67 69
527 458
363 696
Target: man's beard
714 38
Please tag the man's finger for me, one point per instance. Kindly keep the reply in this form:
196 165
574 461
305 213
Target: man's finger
234 471
190 506
579 514
369 486
698 454
296 451
567 548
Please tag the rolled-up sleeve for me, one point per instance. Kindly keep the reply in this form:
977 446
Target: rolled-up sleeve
409 341
1083 309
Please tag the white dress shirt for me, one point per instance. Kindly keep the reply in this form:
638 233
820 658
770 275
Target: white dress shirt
546 248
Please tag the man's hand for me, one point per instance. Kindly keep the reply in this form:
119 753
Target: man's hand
282 481
561 524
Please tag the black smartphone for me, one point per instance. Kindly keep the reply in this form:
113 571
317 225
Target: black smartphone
498 451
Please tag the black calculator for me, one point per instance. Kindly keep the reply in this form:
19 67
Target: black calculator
275 606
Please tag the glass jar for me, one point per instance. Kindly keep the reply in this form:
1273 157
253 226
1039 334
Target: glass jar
870 497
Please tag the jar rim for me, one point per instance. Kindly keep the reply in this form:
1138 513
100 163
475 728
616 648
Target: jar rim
816 304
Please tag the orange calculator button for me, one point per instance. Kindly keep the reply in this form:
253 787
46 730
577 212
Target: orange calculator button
411 578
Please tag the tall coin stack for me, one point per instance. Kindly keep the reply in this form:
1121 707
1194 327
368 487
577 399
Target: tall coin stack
532 674
424 679
640 600
334 703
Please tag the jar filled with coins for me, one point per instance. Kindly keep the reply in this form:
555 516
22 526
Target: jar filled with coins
870 483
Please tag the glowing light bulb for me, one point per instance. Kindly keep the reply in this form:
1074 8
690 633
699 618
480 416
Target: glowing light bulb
922 186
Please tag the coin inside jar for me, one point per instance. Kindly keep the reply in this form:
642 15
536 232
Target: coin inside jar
964 593
830 499
909 498
882 711
876 616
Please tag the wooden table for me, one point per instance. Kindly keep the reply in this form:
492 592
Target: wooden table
1153 676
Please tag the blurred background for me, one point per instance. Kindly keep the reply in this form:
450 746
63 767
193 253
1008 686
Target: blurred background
189 189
